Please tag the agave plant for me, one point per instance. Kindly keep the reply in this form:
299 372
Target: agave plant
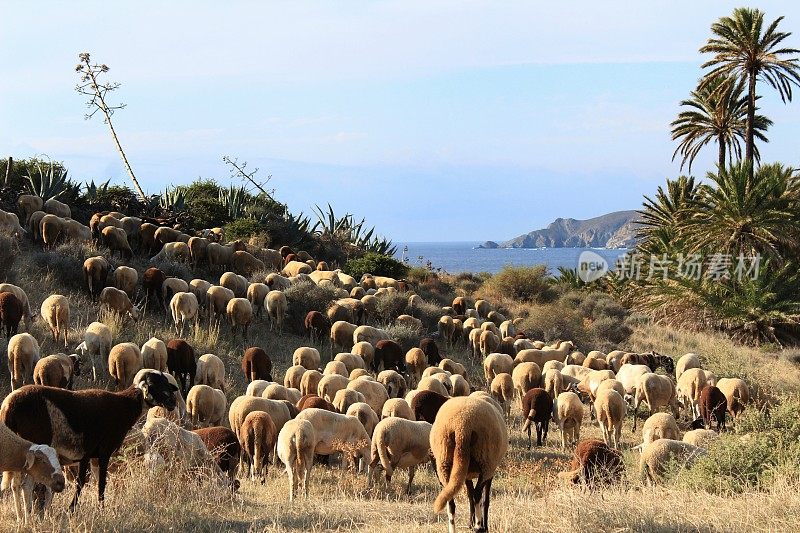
92 191
347 229
173 199
235 200
51 182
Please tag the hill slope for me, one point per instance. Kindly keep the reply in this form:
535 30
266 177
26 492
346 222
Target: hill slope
614 230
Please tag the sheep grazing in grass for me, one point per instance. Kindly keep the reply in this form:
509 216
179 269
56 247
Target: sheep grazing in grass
257 437
497 363
430 383
658 391
526 376
223 444
95 272
688 389
737 394
568 411
55 311
427 404
256 364
398 407
211 371
399 443
56 370
316 325
686 362
611 409
276 305
185 309
116 301
217 298
296 443
96 346
713 405
23 354
344 398
24 463
338 433
659 426
206 406
459 385
294 376
702 438
375 393
553 382
502 390
365 414
431 351
657 457
28 315
468 440
154 354
84 425
181 363
593 464
351 361
124 361
309 383
240 315
329 385
307 357
335 367
537 409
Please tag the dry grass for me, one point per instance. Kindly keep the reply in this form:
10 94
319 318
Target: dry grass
526 494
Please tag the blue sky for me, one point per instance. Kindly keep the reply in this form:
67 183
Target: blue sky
435 120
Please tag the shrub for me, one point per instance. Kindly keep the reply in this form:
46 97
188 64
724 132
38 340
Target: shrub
555 321
206 212
428 312
376 264
304 297
528 284
242 228
390 306
8 253
407 337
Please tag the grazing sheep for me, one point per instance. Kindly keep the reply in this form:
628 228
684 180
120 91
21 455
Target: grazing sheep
453 367
713 405
468 441
390 354
309 383
497 363
375 393
659 426
11 312
307 357
57 370
459 386
256 364
275 391
350 361
223 444
124 361
257 387
117 301
365 414
125 279
364 350
369 334
277 306
737 394
702 438
659 454
240 314
394 383
184 308
117 241
152 282
629 376
688 389
57 417
611 409
28 315
342 333
658 391
257 438
170 287
296 443
95 272
244 405
218 298
426 405
330 384
50 227
338 433
276 282
399 443
502 390
416 362
96 346
205 406
293 268
312 401
29 204
236 283
23 354
526 376
488 342
553 382
199 287
154 354
594 463
177 445
316 325
436 385
211 371
181 363
293 376
537 409
568 412
687 361
57 208
173 252
55 311
344 398
336 367
398 407
34 226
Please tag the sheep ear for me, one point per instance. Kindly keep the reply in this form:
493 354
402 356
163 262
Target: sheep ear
173 387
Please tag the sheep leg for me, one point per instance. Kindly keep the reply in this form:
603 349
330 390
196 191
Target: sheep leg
471 497
101 479
483 505
451 516
411 471
292 480
82 469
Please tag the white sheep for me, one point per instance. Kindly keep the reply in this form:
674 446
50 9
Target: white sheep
206 406
297 441
399 443
568 411
661 453
23 354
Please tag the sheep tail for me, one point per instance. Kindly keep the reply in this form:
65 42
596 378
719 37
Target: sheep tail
383 451
298 444
458 471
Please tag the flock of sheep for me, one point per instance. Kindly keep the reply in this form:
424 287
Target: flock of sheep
373 404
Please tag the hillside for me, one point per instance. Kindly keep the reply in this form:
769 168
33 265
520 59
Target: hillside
614 230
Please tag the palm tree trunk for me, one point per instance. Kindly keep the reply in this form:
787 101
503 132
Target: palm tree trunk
751 116
721 162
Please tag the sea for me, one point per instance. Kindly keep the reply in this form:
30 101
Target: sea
457 257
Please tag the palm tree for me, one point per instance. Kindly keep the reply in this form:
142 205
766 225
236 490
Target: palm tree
662 215
743 215
746 53
717 113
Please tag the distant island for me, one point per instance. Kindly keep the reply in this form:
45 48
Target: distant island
614 230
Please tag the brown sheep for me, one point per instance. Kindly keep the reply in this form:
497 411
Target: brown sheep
117 241
256 364
117 301
29 204
11 312
537 409
713 405
594 463
245 264
198 250
257 437
57 208
51 228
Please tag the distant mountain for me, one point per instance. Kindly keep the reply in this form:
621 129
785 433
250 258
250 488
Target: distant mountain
614 230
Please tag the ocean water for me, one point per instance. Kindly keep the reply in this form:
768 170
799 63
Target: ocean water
455 257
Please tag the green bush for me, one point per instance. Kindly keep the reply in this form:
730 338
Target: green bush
8 253
390 306
428 312
305 297
527 284
207 213
406 337
376 264
242 228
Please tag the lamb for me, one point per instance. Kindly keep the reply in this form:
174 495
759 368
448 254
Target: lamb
687 361
181 363
276 305
469 440
737 394
537 408
23 354
240 314
426 405
117 302
658 391
526 376
223 444
124 361
659 426
365 414
688 389
497 363
594 463
568 411
211 371
336 432
84 425
701 438
96 346
256 364
659 454
11 312
154 354
185 308
95 272
416 362
342 335
390 354
502 390
399 443
55 311
125 279
296 443
257 437
57 370
611 409
218 298
307 357
374 392
28 315
398 407
206 406
713 405
309 383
